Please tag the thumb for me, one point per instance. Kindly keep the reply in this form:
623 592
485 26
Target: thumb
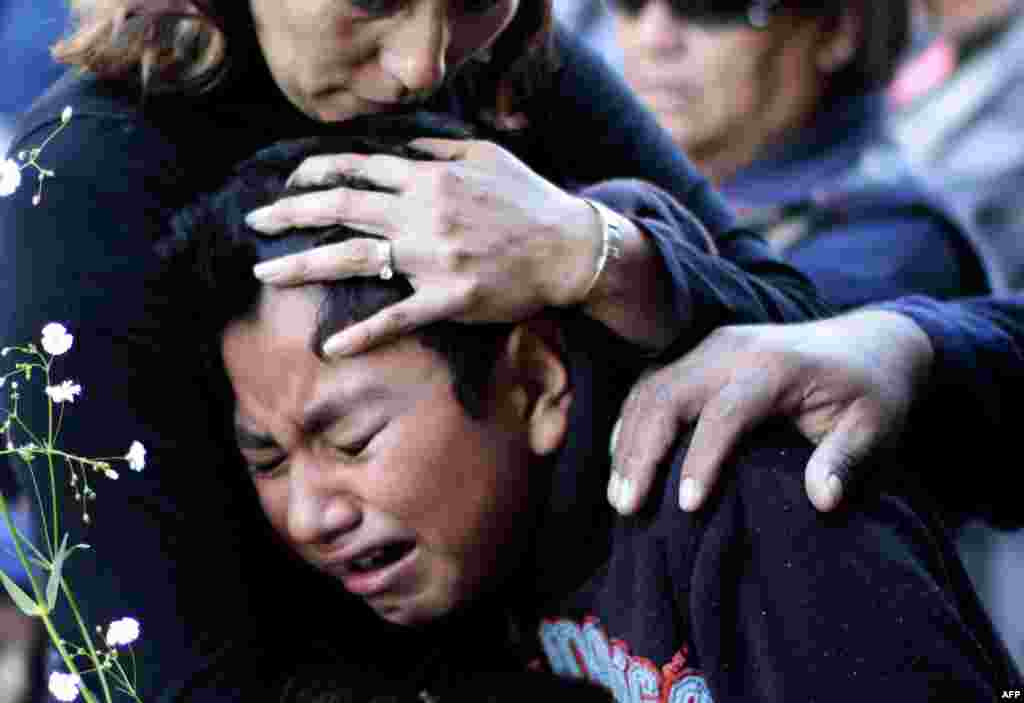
833 466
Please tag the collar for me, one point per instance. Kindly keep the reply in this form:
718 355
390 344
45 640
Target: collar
820 157
574 527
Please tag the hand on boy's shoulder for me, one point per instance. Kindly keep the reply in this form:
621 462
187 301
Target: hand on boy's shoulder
768 467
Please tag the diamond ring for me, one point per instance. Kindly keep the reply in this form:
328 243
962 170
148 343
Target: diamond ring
387 256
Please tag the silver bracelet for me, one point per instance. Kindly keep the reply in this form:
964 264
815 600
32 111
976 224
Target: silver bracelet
612 239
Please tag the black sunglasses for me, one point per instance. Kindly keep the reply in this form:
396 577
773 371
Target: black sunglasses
712 13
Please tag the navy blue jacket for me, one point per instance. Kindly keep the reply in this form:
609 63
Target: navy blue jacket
841 203
82 257
969 415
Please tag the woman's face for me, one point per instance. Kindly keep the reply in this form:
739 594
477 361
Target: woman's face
337 59
724 92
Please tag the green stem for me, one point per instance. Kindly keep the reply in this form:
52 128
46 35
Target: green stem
129 684
25 428
45 616
93 656
60 128
49 461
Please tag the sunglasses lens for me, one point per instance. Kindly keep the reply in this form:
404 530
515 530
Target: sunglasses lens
712 13
631 7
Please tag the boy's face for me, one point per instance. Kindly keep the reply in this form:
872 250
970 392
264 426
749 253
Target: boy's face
370 469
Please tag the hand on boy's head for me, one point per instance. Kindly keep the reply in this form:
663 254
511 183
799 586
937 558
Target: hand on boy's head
480 236
847 383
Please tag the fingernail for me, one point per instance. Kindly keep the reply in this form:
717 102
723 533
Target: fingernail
627 495
833 490
336 346
260 219
690 494
269 270
613 489
615 437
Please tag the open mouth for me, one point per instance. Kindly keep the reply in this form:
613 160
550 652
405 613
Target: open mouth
381 557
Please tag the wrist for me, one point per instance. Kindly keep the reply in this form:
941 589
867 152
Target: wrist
613 229
902 340
583 236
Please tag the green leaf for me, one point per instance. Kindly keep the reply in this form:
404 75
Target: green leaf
20 598
53 585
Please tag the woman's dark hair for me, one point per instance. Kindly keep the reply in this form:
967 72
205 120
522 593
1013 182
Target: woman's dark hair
883 39
189 46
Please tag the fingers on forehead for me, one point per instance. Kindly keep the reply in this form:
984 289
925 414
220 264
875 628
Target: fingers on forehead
384 170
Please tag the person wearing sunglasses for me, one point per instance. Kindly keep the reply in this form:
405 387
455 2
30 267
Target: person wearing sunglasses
780 103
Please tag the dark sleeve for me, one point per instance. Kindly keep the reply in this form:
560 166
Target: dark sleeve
886 256
719 289
974 394
867 603
80 257
589 128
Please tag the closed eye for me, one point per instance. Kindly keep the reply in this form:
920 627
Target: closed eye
352 450
266 469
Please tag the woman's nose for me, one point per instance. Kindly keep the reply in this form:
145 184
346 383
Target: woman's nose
658 29
319 510
416 54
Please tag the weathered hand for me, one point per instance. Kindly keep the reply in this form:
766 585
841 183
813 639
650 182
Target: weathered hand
847 383
480 236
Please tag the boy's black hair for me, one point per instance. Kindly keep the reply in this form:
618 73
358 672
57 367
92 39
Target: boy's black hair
212 251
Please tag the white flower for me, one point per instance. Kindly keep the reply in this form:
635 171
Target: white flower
56 340
10 177
122 632
111 474
66 115
66 391
64 687
136 456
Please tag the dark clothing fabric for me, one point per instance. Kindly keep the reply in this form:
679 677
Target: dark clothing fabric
27 29
82 257
756 598
974 395
842 205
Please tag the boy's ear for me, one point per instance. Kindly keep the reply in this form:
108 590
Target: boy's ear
540 391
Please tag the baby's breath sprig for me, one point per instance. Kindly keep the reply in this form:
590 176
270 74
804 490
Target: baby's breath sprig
95 658
10 170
